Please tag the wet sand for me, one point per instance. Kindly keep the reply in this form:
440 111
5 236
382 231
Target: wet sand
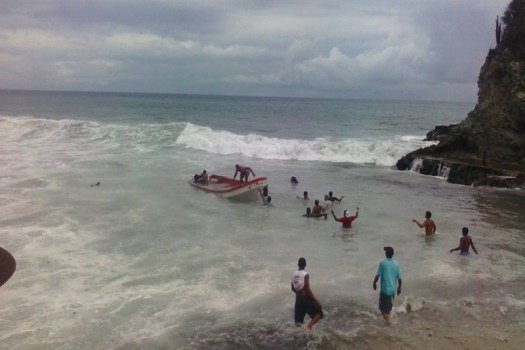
432 329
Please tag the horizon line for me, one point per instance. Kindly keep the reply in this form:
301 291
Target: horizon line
227 95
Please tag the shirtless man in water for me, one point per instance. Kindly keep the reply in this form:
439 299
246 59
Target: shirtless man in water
428 224
465 243
305 196
330 197
318 210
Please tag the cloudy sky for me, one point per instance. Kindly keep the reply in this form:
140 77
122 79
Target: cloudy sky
385 49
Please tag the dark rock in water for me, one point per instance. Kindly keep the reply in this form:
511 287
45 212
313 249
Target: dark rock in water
405 163
491 140
439 131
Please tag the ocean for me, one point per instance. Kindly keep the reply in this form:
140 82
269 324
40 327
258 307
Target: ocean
145 261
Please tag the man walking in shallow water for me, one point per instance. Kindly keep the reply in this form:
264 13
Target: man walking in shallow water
390 274
305 301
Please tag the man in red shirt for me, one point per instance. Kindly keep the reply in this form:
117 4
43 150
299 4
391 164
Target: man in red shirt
346 219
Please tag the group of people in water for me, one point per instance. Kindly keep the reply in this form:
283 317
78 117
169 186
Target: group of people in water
388 273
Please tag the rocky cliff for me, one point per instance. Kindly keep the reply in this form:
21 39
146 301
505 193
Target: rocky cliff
489 145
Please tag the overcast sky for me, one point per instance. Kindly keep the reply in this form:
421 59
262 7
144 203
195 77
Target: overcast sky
384 49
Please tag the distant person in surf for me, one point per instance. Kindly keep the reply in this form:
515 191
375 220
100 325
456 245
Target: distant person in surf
308 213
428 224
465 243
97 184
318 210
305 300
330 197
347 218
294 181
243 172
390 274
304 197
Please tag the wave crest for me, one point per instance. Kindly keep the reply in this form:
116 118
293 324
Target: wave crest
360 151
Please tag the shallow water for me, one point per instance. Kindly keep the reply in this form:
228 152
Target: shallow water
145 261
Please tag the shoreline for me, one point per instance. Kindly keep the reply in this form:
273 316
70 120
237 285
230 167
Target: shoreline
431 329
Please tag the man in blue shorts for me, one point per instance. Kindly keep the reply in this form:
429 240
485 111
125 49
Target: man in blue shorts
390 274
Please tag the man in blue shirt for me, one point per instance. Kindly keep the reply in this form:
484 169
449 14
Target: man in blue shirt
390 274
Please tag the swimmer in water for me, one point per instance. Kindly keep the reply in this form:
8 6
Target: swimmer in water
305 196
308 213
318 210
330 197
465 243
428 224
347 218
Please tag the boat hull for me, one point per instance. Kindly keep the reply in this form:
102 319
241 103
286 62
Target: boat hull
233 189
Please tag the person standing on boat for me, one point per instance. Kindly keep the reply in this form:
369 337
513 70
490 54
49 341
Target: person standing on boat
305 300
243 171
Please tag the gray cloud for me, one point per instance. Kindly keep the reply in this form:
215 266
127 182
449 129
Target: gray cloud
359 49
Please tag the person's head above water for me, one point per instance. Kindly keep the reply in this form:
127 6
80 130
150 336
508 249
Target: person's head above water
330 194
316 202
237 166
301 263
389 252
293 180
305 194
428 215
308 210
464 231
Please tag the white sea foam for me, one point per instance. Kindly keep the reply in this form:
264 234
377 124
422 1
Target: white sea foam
149 137
359 151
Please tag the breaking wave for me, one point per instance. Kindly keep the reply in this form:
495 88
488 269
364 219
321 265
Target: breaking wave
360 151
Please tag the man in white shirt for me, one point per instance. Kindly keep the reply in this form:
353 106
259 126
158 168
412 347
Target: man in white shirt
305 301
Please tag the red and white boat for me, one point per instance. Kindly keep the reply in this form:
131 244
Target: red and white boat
234 189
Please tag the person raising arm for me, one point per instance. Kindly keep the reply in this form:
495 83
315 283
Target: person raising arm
428 224
346 219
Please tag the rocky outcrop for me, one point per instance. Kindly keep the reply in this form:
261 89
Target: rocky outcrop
490 142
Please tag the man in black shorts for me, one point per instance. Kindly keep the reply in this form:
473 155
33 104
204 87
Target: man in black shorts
305 301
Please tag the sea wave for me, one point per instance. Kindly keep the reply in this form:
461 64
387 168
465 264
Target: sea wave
150 137
350 150
32 130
